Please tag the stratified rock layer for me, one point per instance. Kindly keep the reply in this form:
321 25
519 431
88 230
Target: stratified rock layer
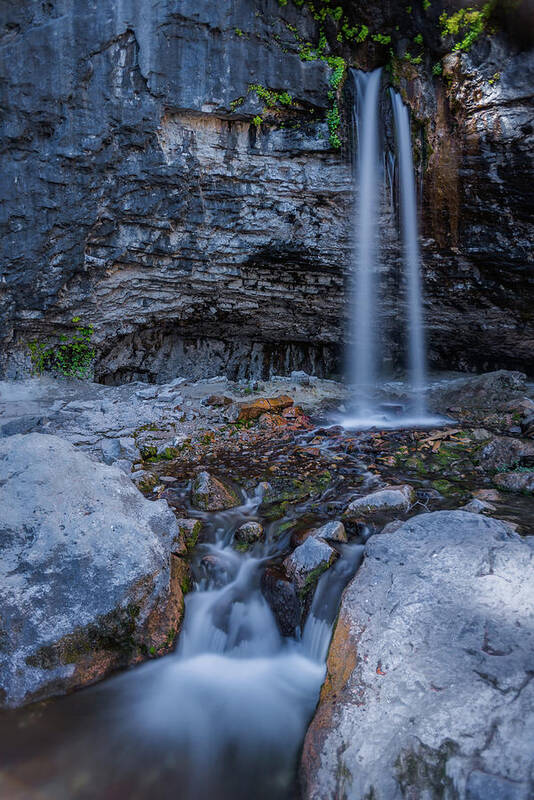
87 580
138 194
429 691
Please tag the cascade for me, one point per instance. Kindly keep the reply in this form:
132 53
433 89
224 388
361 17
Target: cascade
364 364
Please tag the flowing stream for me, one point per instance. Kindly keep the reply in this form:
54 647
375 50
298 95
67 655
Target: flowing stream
222 717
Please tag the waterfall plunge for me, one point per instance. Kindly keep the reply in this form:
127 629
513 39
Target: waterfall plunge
364 363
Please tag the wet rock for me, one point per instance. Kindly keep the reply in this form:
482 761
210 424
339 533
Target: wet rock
516 481
255 408
283 599
269 421
307 563
300 377
503 451
527 426
189 531
387 499
486 392
210 494
87 580
477 506
218 400
331 532
144 480
248 534
215 569
489 495
419 676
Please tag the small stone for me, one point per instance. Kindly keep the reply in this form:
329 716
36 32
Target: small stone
489 495
218 400
332 532
515 481
189 529
283 600
210 494
300 377
392 497
305 564
168 479
249 533
477 506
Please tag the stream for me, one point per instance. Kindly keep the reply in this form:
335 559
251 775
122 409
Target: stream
222 717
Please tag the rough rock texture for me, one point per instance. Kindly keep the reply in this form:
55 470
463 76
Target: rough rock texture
137 196
332 532
210 494
88 582
307 562
249 533
391 498
429 691
504 451
516 482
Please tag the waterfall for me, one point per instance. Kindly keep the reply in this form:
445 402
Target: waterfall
371 402
365 352
412 261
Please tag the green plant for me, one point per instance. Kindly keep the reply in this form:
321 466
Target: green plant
494 78
238 32
72 356
333 120
380 38
437 69
470 23
257 121
426 5
418 39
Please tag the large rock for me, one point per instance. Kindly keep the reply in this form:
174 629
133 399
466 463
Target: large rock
516 481
87 581
392 498
429 691
307 563
479 392
504 451
210 494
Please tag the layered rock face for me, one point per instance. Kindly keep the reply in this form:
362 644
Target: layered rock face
139 195
135 199
429 688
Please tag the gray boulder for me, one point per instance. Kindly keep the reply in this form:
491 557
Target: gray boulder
87 583
429 692
392 498
516 481
504 451
333 531
307 562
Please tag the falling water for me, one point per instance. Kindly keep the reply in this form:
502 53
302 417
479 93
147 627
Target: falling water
412 261
365 352
372 406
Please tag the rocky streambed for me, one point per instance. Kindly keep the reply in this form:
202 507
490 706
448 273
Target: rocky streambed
257 509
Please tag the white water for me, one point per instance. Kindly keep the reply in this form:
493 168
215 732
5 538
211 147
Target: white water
221 718
412 260
365 334
371 406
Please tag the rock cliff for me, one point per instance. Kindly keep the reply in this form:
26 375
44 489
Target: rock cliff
141 192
